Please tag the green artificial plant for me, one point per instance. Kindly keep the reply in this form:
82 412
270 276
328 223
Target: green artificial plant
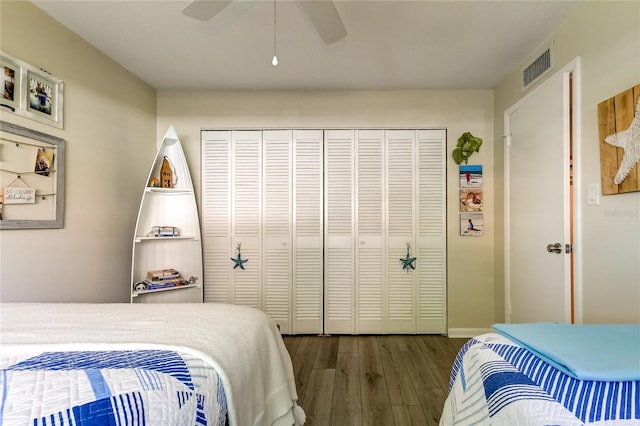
467 145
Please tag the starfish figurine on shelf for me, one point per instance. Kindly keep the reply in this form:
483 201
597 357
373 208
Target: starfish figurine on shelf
407 262
239 260
629 140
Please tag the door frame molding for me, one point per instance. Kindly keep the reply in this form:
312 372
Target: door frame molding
571 70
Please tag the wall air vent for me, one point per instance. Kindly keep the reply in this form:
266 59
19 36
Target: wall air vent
539 67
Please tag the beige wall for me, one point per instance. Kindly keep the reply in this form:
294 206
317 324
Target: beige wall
606 36
110 132
470 260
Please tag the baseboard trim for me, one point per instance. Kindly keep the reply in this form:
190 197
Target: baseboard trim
467 332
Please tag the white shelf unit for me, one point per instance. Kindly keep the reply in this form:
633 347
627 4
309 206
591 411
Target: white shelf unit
168 207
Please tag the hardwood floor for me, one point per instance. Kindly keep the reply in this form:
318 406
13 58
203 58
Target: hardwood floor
390 380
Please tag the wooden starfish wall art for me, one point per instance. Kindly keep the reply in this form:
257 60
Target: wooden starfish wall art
619 126
629 140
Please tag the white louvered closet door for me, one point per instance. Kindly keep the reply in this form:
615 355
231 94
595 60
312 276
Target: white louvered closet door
401 218
308 231
232 216
277 221
216 216
246 211
339 231
431 232
324 218
370 268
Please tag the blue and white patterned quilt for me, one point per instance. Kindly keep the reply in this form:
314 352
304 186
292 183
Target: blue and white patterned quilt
496 381
119 387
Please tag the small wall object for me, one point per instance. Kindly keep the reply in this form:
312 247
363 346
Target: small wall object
467 145
619 126
21 194
166 174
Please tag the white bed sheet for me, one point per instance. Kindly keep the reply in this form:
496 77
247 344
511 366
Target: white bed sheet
241 343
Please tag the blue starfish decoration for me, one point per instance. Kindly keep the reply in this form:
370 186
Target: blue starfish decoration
407 262
239 260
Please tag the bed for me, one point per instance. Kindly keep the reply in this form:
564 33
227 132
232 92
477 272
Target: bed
547 374
143 364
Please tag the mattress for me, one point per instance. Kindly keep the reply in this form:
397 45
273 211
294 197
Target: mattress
497 381
248 370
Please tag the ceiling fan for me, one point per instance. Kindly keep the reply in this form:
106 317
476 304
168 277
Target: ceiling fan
322 13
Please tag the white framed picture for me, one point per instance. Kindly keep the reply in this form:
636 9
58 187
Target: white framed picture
43 97
31 92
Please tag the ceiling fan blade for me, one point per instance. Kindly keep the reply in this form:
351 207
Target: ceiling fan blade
204 10
325 19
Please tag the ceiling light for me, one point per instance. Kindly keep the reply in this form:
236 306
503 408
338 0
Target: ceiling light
274 61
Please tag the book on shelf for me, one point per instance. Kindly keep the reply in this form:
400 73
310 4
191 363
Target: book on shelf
169 273
163 231
155 285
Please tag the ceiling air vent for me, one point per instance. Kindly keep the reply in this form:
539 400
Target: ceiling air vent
539 67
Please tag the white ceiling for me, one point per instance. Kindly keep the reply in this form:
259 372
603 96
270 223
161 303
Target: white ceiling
395 44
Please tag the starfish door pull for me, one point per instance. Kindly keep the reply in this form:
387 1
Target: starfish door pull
239 260
407 262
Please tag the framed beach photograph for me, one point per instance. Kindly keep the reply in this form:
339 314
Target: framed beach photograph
43 97
471 200
10 77
471 224
470 176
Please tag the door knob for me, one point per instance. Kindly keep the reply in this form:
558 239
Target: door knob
554 248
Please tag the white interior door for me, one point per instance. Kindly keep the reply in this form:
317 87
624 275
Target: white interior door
537 204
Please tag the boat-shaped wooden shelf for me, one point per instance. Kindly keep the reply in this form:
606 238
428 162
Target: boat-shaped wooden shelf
168 200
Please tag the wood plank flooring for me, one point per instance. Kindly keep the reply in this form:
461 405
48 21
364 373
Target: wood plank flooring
390 380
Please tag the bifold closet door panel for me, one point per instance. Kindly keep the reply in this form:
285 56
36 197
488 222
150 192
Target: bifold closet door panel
339 261
247 223
432 238
308 276
401 240
232 215
277 226
216 216
370 197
